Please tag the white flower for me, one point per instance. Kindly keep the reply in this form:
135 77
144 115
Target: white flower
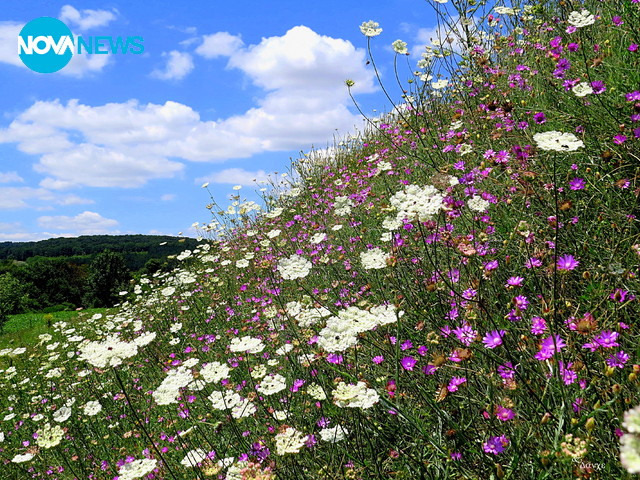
439 84
316 392
289 441
318 238
342 205
557 141
374 259
246 344
214 372
400 47
632 420
415 201
630 453
276 212
272 384
506 10
194 457
92 408
137 469
273 233
224 401
581 18
334 434
244 408
168 291
110 352
25 457
144 339
259 371
49 436
62 414
478 204
355 396
169 389
370 28
441 1
582 89
294 267
242 263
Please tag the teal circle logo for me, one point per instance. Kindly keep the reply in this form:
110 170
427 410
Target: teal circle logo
45 45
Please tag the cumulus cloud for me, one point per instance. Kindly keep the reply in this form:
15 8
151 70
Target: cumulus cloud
10 177
12 198
304 101
85 223
220 44
236 176
178 66
8 43
86 19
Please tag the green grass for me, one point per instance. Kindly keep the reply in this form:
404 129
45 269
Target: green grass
24 328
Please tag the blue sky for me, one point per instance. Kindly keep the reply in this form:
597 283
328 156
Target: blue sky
225 92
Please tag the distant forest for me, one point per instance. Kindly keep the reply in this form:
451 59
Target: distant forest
137 250
86 271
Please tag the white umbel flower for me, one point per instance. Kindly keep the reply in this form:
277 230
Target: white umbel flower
374 259
289 441
294 267
581 19
137 469
478 204
557 141
370 29
355 396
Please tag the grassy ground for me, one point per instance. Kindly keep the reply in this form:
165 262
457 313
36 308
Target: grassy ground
23 329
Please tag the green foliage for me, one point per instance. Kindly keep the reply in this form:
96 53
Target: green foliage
12 297
108 275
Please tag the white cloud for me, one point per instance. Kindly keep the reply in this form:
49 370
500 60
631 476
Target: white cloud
13 198
451 34
10 177
167 197
86 19
219 44
84 64
85 223
127 144
236 176
178 66
9 43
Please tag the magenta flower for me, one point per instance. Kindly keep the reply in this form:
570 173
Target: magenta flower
533 262
507 371
568 375
514 282
619 139
538 325
567 262
539 118
378 359
598 87
465 334
577 183
408 363
495 445
455 382
618 360
493 339
549 346
504 414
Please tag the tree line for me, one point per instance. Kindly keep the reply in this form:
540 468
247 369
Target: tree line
75 273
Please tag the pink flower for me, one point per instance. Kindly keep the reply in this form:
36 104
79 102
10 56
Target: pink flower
567 262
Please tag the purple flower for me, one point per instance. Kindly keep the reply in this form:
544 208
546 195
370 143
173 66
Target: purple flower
577 183
533 262
539 118
504 414
607 339
568 375
538 325
406 345
408 363
495 445
567 262
514 282
507 371
573 47
465 334
455 382
633 47
521 302
493 339
549 346
633 96
378 359
598 87
617 20
619 139
618 360
335 358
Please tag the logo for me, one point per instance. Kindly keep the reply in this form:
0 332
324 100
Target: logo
46 45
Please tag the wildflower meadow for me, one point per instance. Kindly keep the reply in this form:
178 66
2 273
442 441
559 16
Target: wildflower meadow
450 294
